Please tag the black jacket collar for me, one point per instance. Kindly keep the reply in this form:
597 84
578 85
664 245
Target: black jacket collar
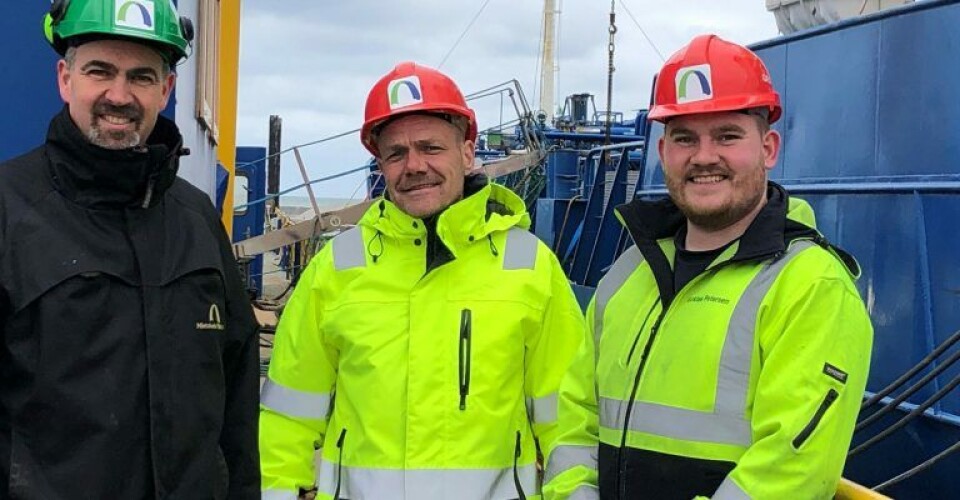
767 236
102 178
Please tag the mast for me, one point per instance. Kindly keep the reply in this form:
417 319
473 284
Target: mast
548 71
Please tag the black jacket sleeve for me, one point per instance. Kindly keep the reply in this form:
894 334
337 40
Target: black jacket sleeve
241 365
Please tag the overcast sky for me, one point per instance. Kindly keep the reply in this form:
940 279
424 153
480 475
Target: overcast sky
313 62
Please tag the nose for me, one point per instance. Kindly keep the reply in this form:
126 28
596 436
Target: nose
416 162
706 153
118 92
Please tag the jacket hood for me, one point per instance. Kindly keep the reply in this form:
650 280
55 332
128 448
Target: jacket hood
101 178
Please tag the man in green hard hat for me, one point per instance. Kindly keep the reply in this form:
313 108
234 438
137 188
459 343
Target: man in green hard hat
128 349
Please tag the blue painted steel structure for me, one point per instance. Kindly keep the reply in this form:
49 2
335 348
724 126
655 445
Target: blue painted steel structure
872 116
248 219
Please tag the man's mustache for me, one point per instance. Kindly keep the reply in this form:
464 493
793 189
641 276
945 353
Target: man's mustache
131 111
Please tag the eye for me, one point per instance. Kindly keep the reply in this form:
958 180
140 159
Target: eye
684 140
394 157
143 79
98 73
728 137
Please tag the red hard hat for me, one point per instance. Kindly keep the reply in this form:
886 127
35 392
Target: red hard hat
412 88
710 75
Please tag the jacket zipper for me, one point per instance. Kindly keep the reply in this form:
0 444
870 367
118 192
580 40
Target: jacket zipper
336 491
622 468
636 340
828 401
464 355
516 472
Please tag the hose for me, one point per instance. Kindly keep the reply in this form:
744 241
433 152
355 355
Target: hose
913 371
918 469
905 420
908 392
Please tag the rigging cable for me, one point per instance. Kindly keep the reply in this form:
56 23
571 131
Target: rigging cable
467 29
642 31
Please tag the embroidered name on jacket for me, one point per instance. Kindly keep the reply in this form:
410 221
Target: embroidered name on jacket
213 320
709 298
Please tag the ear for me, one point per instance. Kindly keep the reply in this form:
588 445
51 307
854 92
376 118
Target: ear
660 149
168 82
469 153
771 148
63 81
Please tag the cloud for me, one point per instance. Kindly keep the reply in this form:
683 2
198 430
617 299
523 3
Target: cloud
312 63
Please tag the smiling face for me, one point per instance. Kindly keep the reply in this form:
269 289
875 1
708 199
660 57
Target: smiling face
715 166
424 160
115 90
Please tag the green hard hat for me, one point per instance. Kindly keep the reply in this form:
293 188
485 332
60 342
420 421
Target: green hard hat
152 21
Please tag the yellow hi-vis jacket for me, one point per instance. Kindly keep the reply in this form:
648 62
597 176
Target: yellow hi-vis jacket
745 383
421 378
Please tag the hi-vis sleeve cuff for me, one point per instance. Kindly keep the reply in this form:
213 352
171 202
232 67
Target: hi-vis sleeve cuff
566 457
294 403
542 410
278 495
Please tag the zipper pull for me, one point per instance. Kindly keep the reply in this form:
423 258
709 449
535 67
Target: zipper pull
464 354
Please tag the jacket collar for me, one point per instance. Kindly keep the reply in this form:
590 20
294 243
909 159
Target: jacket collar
103 178
485 208
768 234
650 222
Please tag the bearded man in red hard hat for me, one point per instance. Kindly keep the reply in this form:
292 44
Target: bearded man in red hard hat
732 347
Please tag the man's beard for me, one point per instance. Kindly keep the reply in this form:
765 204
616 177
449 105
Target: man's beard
749 189
115 139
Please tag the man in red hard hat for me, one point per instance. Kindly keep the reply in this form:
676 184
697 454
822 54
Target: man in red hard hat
732 347
439 323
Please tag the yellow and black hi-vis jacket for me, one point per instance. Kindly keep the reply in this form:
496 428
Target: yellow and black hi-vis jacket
745 383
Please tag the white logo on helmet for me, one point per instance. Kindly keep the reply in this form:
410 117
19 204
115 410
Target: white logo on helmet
138 14
404 92
694 84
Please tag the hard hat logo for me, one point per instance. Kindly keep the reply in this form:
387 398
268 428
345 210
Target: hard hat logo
137 14
694 84
404 92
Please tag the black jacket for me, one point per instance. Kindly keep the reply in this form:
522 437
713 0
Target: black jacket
128 350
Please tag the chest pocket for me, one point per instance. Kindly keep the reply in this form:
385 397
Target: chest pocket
70 266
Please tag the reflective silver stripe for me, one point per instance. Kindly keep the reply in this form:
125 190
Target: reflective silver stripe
521 249
676 423
584 492
542 410
621 269
293 402
566 457
727 423
729 490
348 251
733 378
278 495
427 484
